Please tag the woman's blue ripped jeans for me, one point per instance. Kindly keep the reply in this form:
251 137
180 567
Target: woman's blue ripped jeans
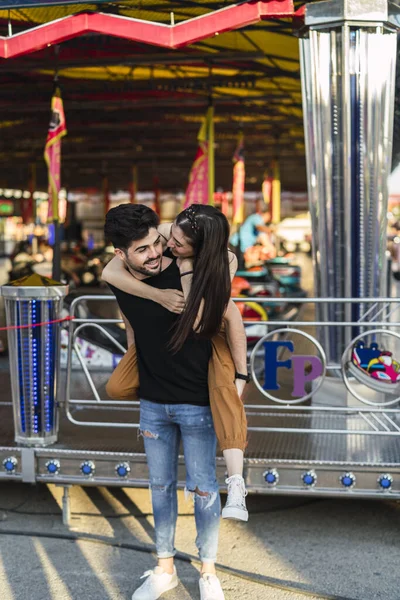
163 426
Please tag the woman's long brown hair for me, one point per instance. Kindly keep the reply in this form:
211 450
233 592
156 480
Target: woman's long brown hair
208 230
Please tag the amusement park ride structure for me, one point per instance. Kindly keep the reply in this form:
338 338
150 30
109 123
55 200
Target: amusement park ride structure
317 427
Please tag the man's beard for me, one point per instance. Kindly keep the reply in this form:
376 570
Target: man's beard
142 270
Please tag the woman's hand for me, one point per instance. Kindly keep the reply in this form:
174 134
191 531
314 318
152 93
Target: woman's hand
240 384
172 300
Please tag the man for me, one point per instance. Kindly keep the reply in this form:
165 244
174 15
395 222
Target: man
256 228
174 406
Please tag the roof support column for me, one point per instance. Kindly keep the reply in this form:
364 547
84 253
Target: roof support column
348 57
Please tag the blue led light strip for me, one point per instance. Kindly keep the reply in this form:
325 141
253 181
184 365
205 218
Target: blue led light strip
26 364
35 346
20 368
48 384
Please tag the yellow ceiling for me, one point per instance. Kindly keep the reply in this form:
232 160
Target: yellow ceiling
258 89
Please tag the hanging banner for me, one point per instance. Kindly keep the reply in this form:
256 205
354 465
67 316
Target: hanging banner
134 184
156 189
31 208
52 153
27 204
106 195
239 175
201 177
267 190
276 193
211 158
221 199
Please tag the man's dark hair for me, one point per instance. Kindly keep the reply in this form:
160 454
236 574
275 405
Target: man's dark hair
128 223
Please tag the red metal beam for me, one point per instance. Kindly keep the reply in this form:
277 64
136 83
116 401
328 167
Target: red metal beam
45 35
228 19
301 12
156 34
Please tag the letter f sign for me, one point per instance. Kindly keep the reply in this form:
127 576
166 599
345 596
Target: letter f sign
272 364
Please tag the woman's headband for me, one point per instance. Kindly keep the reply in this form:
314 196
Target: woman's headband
190 214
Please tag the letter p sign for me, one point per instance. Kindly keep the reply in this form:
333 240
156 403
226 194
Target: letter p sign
293 371
300 374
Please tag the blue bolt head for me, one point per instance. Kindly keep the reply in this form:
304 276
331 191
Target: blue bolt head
123 469
10 464
53 466
309 478
385 481
348 480
88 467
271 476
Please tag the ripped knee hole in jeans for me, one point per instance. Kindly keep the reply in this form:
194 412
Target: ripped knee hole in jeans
148 434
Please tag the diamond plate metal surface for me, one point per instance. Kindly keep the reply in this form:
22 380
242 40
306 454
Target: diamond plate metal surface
264 446
328 448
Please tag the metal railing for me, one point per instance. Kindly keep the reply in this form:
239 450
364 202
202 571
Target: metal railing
280 415
75 326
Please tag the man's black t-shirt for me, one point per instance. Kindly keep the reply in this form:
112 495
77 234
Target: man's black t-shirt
167 378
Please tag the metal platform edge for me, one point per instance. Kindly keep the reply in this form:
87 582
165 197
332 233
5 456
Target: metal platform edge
262 476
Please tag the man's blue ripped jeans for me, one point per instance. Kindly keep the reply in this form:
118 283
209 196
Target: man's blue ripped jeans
163 426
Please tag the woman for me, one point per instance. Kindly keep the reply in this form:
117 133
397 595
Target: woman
198 239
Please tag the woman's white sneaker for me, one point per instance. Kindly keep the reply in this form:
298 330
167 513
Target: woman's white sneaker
235 507
210 587
157 582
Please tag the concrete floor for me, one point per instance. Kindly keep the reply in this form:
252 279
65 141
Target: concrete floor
328 548
312 548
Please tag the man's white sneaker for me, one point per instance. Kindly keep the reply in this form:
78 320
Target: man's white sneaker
157 582
210 587
235 507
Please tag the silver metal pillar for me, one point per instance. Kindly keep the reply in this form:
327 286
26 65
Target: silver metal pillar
33 306
348 57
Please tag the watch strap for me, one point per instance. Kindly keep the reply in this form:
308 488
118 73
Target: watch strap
245 378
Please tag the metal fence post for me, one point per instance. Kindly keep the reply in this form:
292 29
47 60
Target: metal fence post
32 305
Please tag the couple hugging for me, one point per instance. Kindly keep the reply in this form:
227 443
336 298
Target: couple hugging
186 360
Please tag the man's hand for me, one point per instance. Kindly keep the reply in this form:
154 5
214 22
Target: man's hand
240 384
172 300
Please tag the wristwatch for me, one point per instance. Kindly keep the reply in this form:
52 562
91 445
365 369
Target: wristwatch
246 378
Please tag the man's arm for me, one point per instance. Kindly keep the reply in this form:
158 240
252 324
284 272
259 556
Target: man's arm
260 225
264 228
130 336
117 275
